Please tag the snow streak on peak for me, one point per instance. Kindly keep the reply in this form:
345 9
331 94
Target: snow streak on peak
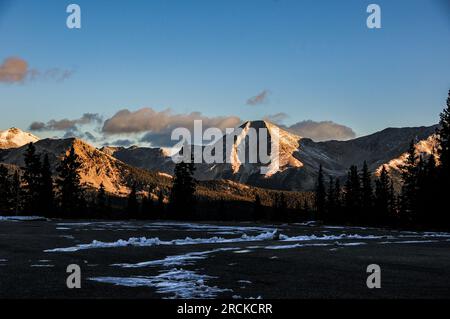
281 157
15 137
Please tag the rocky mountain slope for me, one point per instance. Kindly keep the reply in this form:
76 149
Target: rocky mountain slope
299 158
424 148
97 166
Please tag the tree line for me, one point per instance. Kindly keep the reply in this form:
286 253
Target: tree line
361 198
35 189
368 200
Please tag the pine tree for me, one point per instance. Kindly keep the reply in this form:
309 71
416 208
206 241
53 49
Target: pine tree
16 194
101 201
427 208
258 210
353 195
331 201
160 206
5 190
444 169
383 197
444 143
133 205
409 188
147 210
71 192
338 198
320 197
182 197
32 176
393 202
46 192
366 194
281 208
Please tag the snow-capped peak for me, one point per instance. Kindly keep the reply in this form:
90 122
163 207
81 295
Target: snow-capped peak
15 137
288 144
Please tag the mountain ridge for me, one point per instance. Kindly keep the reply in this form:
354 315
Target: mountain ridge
118 167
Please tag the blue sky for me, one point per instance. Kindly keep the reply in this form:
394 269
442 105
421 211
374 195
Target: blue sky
316 59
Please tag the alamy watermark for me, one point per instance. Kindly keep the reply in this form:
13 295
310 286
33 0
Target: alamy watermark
73 281
374 19
73 21
374 279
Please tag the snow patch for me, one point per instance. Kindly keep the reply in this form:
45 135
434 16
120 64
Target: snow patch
177 260
22 218
146 242
178 283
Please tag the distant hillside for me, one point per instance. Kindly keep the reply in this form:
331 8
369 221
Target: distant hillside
299 157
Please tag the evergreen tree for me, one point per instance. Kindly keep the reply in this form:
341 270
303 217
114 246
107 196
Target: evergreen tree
147 210
444 169
366 194
133 205
101 201
409 188
428 191
320 197
331 201
258 210
281 208
160 206
383 196
71 192
444 144
46 193
16 194
353 195
32 176
393 203
5 190
337 215
306 207
182 197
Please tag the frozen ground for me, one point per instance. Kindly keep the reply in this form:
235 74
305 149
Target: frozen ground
220 260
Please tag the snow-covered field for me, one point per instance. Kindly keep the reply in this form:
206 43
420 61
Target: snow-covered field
202 260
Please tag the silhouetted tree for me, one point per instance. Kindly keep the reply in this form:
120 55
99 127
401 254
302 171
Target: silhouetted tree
331 201
428 212
383 197
101 201
444 169
147 209
16 194
46 192
133 204
160 207
366 194
182 198
281 208
444 143
258 209
337 213
307 209
409 188
5 189
320 196
353 195
32 176
71 192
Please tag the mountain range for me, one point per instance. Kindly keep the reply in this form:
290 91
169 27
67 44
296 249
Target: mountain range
118 167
